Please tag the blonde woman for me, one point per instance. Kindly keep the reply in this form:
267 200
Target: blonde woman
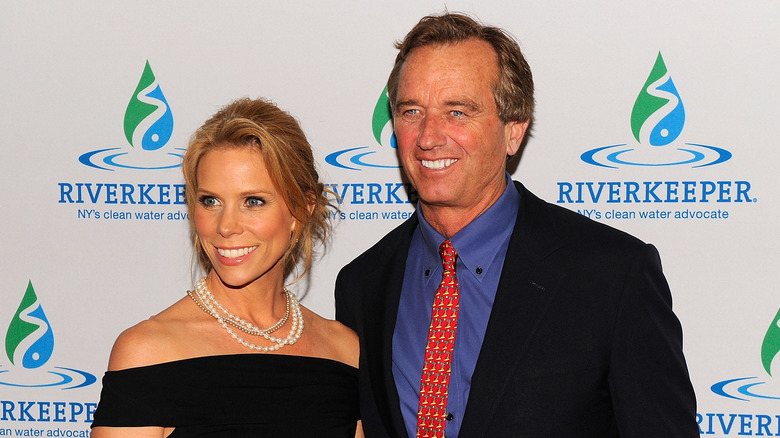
238 355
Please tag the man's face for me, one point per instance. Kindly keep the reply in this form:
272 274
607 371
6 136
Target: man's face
451 142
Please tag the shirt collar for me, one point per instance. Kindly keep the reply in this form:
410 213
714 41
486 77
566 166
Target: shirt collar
476 243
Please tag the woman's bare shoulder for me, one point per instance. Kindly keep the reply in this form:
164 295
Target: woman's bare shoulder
342 343
153 341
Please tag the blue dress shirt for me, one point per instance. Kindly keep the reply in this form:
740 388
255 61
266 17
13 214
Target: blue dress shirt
481 247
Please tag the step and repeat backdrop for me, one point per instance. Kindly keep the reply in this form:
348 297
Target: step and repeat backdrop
94 229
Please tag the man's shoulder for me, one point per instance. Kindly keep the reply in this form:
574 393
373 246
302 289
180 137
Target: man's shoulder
572 226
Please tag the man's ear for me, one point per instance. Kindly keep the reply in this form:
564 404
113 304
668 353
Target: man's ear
516 134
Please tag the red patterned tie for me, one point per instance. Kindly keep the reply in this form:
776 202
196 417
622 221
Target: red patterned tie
435 380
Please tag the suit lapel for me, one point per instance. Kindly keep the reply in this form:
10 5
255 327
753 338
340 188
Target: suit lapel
524 292
383 295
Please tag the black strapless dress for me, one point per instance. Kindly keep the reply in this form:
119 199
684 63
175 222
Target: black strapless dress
245 395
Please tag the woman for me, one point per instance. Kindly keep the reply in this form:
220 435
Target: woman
239 356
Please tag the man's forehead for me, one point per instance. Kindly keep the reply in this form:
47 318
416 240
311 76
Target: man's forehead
471 56
472 48
453 72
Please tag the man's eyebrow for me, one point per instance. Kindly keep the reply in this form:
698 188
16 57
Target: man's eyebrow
468 103
407 102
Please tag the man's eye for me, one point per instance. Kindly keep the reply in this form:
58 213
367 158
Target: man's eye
457 113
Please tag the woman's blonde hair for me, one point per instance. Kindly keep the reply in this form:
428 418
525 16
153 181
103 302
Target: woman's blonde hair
260 125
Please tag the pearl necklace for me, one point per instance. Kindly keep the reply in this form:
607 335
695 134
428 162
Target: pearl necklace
206 301
205 296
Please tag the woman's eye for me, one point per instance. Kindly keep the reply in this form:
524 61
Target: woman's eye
255 202
208 201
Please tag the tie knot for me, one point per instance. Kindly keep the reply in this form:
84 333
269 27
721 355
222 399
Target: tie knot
448 254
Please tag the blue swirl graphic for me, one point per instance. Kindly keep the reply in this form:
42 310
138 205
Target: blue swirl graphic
64 380
111 159
723 155
721 389
671 125
40 351
588 156
90 158
86 159
333 158
88 378
68 376
161 130
746 390
614 156
356 159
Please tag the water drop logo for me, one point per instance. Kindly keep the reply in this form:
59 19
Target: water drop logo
658 115
29 344
747 388
361 157
29 340
148 126
148 119
657 121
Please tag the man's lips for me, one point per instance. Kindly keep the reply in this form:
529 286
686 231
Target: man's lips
438 164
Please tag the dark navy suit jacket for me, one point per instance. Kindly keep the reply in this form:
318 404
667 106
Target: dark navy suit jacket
581 341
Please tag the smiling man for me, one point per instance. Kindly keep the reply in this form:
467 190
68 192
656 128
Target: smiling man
491 312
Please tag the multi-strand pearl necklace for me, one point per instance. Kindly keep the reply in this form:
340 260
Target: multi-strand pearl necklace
206 301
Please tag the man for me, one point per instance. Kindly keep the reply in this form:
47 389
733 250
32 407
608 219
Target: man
564 326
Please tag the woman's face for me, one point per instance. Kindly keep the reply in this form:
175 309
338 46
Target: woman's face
242 222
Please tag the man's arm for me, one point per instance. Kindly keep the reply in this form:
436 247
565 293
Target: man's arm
343 313
649 382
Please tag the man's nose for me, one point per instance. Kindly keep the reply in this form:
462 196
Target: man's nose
432 133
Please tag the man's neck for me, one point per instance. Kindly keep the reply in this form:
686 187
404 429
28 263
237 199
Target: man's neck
448 220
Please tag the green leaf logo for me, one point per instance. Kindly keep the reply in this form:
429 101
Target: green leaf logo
771 345
382 118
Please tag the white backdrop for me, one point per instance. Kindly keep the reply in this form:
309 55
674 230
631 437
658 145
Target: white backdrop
69 71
